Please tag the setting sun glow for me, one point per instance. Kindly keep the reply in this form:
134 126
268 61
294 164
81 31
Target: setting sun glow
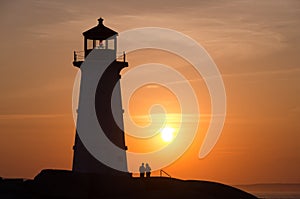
167 134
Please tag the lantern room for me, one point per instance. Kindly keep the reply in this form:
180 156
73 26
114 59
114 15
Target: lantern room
99 37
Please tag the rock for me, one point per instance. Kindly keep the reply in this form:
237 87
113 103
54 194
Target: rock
67 184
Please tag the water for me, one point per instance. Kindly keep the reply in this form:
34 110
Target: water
277 195
273 191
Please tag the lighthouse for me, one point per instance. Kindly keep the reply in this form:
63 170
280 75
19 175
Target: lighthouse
103 40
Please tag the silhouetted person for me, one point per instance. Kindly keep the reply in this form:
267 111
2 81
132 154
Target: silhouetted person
148 170
142 170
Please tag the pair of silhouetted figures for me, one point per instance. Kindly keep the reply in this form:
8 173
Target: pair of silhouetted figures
144 170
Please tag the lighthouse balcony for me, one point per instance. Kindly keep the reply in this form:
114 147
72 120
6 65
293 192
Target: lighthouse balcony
79 56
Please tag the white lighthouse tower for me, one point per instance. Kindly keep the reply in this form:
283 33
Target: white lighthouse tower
104 41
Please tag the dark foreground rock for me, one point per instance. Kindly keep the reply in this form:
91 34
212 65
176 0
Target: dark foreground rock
59 184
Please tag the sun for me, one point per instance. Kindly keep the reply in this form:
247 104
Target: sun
167 134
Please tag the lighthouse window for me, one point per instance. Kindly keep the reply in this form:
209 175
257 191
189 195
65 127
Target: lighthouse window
101 44
90 44
111 44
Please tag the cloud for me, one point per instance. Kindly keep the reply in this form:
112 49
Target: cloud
30 116
295 109
288 71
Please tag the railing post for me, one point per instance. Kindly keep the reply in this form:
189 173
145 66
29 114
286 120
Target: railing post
75 56
162 171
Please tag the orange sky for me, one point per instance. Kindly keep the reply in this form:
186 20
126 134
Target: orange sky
254 43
